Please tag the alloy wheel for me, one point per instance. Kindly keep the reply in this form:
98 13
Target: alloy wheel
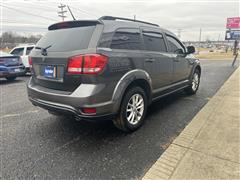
195 81
135 109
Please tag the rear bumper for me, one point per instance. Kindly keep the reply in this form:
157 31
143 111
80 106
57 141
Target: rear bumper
10 71
82 97
68 110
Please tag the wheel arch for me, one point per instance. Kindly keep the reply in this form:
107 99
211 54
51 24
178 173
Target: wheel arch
136 77
198 67
195 66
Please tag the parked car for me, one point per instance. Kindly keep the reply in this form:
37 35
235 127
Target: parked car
10 66
109 69
23 51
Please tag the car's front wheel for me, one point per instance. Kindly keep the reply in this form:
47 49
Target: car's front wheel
192 89
132 110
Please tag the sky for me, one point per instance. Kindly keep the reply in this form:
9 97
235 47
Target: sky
181 17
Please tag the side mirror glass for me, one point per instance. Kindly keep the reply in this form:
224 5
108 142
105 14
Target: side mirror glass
190 49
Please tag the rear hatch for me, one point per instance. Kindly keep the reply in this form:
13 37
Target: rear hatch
9 61
51 54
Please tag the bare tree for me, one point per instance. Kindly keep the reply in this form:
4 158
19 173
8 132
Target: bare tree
11 39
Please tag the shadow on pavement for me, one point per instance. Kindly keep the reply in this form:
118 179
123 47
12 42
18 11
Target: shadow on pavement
17 80
102 130
6 82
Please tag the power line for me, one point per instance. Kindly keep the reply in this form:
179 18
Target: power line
84 12
17 22
43 6
29 5
78 9
43 17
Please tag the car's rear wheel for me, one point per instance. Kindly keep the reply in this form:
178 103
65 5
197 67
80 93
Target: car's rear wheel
11 78
132 110
192 89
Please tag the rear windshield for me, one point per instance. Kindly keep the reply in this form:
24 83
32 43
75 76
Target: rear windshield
67 39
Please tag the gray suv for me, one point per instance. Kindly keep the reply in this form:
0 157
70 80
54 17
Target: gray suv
110 68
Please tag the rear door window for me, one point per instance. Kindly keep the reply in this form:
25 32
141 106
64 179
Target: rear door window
154 41
128 39
29 49
18 51
68 39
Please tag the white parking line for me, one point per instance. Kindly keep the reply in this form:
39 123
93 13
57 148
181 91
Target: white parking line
18 114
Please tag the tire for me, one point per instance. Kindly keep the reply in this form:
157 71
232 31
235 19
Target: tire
195 81
125 121
11 78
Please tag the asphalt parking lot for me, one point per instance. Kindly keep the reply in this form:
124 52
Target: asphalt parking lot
35 144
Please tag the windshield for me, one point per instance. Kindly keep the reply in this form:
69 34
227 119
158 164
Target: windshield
67 39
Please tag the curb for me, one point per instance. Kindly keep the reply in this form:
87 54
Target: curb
166 165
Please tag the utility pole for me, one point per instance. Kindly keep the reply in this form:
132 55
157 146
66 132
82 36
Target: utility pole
200 36
219 37
134 17
62 12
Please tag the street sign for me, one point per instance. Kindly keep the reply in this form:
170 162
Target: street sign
232 35
233 23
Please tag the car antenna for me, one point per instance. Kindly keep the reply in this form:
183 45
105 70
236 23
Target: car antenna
71 13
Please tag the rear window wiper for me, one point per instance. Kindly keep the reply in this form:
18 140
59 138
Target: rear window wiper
43 50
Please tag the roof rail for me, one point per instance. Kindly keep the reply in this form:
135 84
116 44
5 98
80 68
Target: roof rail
126 19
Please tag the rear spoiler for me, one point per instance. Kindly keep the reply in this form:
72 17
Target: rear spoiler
73 24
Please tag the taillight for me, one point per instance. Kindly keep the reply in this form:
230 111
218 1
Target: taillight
94 63
87 64
89 110
30 64
75 64
20 60
30 61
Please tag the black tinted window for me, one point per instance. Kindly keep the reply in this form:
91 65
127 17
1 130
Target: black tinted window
126 39
174 45
18 51
67 39
29 49
154 41
105 40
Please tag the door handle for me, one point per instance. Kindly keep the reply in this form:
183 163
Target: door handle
149 60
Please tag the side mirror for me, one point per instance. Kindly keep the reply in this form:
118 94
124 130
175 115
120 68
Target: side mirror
179 51
190 49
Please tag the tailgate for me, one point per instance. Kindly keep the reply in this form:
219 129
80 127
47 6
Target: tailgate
10 61
51 54
51 73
